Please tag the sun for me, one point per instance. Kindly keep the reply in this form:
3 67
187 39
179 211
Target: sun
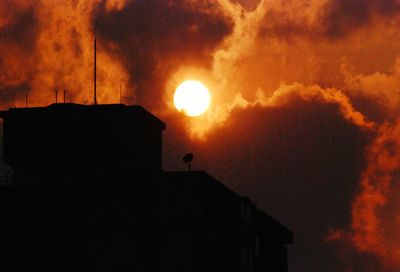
192 98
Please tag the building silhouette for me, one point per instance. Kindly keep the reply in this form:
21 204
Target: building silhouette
89 194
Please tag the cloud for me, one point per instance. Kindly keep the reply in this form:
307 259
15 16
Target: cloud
248 4
383 87
155 38
375 209
332 19
298 159
18 32
305 98
220 114
303 53
342 15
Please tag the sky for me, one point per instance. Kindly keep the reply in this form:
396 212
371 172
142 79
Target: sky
305 113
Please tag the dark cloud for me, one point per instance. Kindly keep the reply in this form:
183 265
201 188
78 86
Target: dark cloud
9 94
373 108
18 35
154 38
300 162
346 15
334 19
247 4
19 26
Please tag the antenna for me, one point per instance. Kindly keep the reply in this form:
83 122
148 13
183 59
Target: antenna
26 99
95 64
56 95
64 96
188 158
120 93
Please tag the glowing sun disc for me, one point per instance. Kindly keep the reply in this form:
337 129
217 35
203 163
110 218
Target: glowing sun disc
192 97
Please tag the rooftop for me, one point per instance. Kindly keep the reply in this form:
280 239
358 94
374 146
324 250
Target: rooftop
138 111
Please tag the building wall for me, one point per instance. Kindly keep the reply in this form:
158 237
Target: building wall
90 195
165 222
63 142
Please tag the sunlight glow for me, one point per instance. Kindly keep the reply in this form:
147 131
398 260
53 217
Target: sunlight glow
192 98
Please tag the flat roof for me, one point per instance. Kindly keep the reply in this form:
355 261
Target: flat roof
102 108
201 178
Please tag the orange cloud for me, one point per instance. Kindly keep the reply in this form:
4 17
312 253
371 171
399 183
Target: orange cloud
375 209
254 55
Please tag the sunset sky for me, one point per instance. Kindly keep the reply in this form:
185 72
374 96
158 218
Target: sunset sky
305 102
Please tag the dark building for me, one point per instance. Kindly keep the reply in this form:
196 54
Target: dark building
89 194
63 142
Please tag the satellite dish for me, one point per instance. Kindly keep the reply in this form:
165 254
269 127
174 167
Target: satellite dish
188 158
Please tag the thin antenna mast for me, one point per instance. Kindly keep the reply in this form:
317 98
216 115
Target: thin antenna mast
64 96
56 95
95 64
26 99
120 93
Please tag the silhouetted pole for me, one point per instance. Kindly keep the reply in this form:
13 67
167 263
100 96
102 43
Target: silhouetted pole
95 64
64 96
120 93
56 95
26 99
